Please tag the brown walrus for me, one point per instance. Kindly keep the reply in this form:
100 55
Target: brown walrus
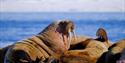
87 51
2 53
52 41
115 52
122 58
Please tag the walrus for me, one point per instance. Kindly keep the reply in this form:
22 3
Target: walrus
77 41
51 42
2 53
87 51
122 57
115 52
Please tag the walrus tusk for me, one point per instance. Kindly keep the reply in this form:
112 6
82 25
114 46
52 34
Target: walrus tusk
74 35
69 40
70 37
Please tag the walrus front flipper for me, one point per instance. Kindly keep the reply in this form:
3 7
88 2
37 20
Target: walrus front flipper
102 35
52 60
22 53
17 56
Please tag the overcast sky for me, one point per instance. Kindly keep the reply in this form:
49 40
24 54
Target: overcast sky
62 5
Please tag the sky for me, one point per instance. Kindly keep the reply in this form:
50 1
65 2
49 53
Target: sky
62 5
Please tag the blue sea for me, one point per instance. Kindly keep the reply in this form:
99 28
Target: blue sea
15 26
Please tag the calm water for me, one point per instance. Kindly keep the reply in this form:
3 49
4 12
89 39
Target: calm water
14 29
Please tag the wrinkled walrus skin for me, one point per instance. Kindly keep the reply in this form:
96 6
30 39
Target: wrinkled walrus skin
87 51
51 42
115 52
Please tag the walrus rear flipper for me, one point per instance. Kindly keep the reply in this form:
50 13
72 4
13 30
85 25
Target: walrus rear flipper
102 35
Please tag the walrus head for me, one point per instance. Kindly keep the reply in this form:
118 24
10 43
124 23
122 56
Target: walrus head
66 28
58 35
102 35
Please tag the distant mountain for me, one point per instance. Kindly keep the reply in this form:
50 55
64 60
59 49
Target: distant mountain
40 16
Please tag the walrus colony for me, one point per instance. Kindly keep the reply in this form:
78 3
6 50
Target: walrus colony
55 44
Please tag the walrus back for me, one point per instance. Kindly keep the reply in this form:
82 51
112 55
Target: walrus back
115 51
27 49
94 49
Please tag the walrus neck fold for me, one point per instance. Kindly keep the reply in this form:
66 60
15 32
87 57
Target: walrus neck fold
57 40
40 42
54 41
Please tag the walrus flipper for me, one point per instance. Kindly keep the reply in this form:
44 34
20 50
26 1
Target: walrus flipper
18 56
3 52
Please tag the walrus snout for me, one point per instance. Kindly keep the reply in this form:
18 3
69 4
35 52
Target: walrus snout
67 27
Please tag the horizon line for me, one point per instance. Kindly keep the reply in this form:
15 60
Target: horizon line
60 12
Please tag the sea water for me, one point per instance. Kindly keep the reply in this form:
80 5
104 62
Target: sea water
15 26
